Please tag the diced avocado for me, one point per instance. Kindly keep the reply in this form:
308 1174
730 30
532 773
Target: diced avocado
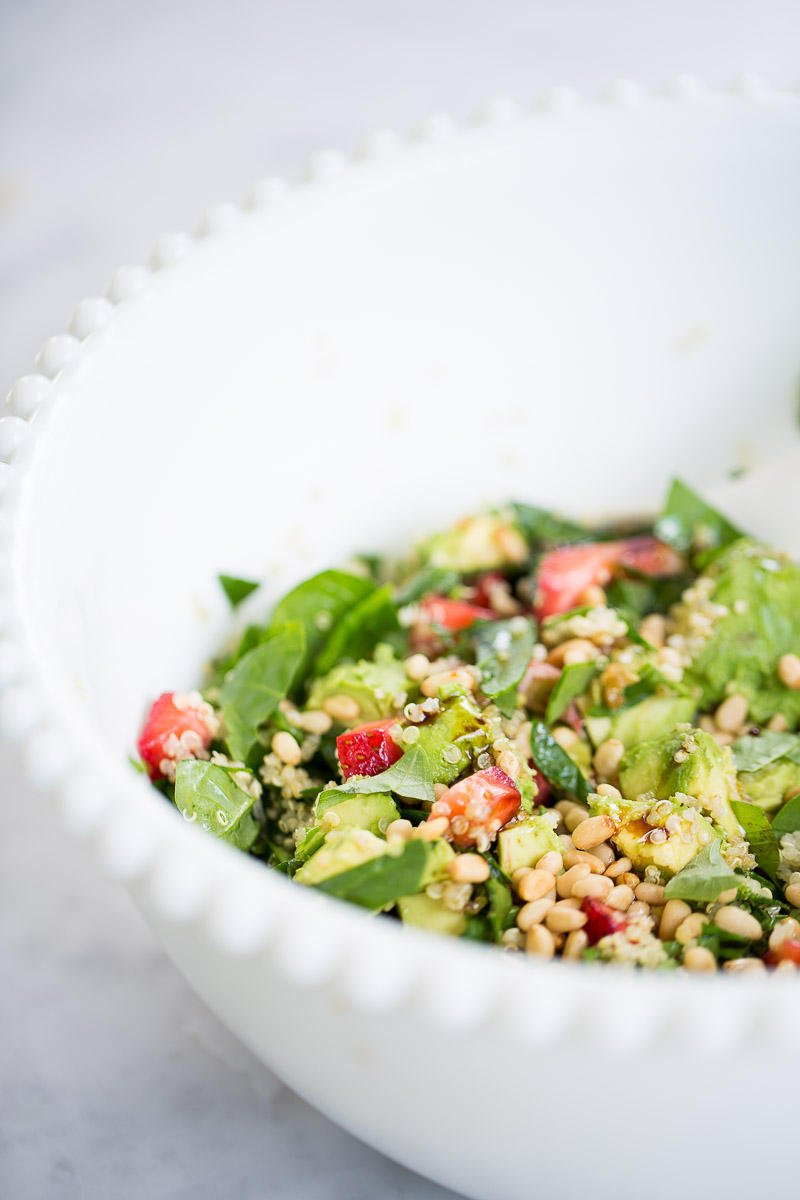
749 597
477 544
343 851
378 686
768 786
687 762
380 880
373 812
641 722
425 913
459 727
524 843
638 821
440 855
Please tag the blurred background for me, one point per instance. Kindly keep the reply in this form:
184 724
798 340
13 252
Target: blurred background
118 122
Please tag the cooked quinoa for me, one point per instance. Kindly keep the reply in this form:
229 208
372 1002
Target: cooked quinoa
560 740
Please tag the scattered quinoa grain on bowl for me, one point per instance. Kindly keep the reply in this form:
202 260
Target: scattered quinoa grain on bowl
564 741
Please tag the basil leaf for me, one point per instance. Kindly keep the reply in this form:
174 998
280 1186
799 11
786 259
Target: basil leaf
382 880
573 681
235 589
542 528
787 820
760 835
411 776
556 765
704 877
206 793
753 753
503 650
429 579
688 523
256 685
359 629
318 603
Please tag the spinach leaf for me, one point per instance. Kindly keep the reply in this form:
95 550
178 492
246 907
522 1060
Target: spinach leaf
704 877
573 681
311 843
235 589
723 945
759 834
206 793
688 523
542 528
429 579
787 820
256 685
318 604
356 632
503 650
411 776
382 880
500 900
753 753
556 765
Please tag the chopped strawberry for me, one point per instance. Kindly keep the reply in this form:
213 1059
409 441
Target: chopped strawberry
454 615
600 920
478 806
180 725
788 951
565 574
368 749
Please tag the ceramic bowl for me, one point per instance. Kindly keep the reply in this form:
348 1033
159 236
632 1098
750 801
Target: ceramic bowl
564 305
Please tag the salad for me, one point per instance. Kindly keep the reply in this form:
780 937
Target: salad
561 740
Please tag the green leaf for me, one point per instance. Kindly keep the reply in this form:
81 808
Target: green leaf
235 589
753 753
503 650
206 793
318 604
429 579
648 683
787 820
257 684
544 529
760 835
500 900
704 877
359 629
688 523
411 776
381 880
556 765
573 681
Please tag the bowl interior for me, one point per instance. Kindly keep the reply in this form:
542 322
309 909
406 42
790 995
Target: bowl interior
567 311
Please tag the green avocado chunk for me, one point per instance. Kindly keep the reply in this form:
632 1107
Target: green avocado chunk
359 867
425 913
374 811
749 597
523 843
638 820
652 717
345 850
376 685
687 762
768 786
477 543
453 738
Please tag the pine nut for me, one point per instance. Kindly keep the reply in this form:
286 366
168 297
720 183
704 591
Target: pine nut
607 757
629 879
552 862
460 678
778 723
533 913
468 868
564 920
401 828
604 852
597 886
512 939
675 911
540 941
574 858
342 708
535 884
736 920
286 748
593 595
651 893
620 867
792 894
690 928
417 667
576 943
575 817
607 789
620 897
785 930
592 832
742 966
727 896
575 650
639 908
789 671
567 738
433 828
314 721
732 713
786 967
722 738
565 882
654 630
699 958
566 842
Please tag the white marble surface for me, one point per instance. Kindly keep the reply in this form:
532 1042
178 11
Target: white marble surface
118 122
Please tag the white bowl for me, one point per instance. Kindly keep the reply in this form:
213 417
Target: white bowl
565 306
